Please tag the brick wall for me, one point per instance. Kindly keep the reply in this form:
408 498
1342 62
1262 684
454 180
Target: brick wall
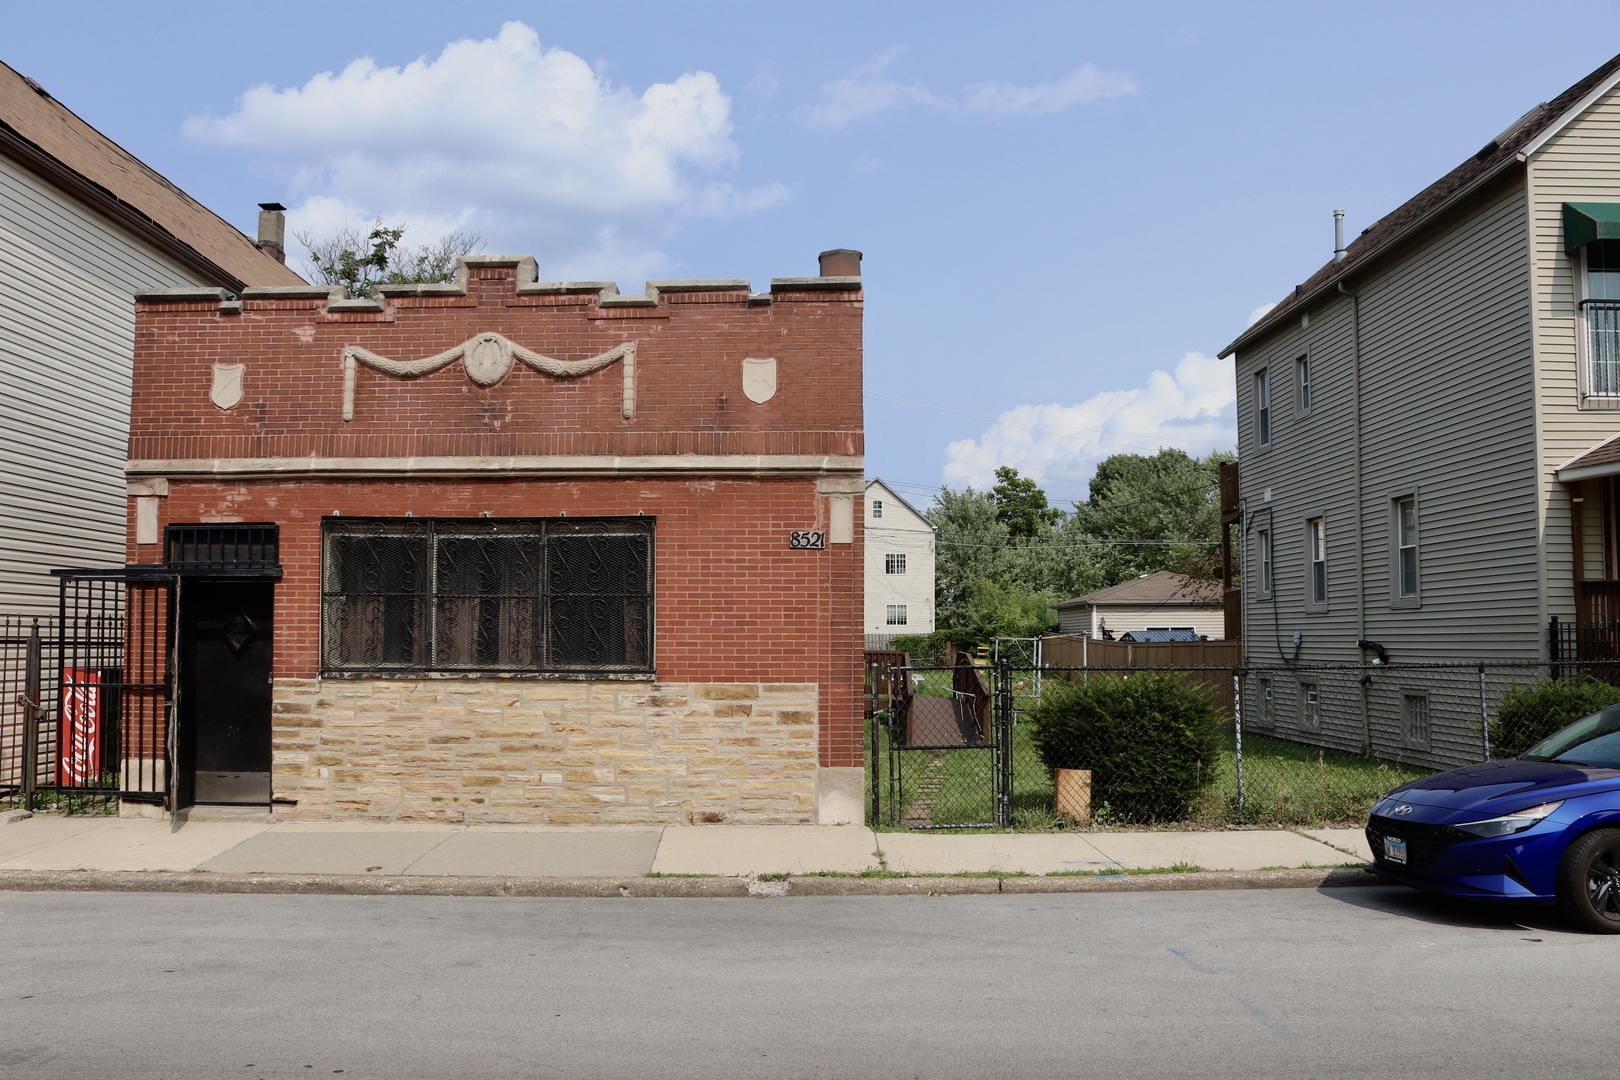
725 479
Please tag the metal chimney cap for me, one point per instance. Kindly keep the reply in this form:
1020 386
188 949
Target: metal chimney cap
274 206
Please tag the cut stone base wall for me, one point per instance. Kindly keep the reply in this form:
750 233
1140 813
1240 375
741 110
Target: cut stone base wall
493 750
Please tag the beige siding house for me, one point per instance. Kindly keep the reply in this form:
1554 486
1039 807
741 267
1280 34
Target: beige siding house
899 565
1419 419
1158 601
83 225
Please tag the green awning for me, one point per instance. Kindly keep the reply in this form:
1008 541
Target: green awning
1585 222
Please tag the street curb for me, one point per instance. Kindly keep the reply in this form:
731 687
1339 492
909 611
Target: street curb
203 882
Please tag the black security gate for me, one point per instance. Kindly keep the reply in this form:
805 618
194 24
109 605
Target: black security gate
111 732
945 740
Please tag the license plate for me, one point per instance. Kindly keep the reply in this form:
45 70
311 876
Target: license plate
1395 850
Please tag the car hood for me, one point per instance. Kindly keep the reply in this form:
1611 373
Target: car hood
1501 787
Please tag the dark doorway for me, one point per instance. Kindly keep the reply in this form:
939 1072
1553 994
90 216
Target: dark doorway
223 747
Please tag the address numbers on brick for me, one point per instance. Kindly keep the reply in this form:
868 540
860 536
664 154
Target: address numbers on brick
807 541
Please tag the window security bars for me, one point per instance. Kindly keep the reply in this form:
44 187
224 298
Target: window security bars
1415 718
524 596
223 547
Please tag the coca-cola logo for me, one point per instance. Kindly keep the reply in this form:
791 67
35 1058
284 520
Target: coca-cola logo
81 725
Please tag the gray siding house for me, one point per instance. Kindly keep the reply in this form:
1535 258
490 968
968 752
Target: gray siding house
1422 423
83 225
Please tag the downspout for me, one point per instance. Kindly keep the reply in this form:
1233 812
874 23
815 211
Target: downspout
1355 451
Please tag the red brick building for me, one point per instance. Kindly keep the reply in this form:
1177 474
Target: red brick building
503 550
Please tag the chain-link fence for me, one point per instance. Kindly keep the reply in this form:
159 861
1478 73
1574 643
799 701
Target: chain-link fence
1004 746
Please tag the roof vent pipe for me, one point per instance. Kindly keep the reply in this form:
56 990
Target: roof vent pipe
1338 236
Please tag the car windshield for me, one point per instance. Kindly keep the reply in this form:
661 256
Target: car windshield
1594 740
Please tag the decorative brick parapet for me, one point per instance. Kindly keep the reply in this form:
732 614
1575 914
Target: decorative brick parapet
556 752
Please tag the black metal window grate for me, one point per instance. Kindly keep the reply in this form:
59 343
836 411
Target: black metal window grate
223 547
559 595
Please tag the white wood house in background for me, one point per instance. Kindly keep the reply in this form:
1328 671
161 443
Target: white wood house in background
1423 431
899 565
1158 601
83 225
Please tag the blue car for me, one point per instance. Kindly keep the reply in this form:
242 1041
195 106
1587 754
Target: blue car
1542 828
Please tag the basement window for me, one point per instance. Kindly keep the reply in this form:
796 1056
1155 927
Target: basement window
407 595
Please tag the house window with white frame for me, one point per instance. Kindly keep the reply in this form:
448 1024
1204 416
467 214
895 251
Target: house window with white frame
1263 545
1262 406
1404 527
1316 558
895 615
877 509
1600 312
894 563
1302 381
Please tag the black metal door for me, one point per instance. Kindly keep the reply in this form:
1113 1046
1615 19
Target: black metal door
225 655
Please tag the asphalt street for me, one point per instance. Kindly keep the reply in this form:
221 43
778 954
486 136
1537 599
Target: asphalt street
1328 983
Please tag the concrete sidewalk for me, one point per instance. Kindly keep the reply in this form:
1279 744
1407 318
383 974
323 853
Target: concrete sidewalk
258 846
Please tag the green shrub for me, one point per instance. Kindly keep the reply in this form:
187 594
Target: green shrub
1528 714
1150 739
930 648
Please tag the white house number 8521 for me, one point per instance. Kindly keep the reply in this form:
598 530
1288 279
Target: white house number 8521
807 540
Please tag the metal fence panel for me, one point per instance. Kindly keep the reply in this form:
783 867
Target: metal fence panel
1299 745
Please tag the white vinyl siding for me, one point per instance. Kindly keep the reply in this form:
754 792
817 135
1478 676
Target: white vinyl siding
67 343
1579 164
899 563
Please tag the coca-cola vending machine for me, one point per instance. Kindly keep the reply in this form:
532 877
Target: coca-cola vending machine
79 757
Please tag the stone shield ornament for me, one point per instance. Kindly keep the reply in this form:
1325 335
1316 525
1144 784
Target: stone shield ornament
487 359
227 389
759 379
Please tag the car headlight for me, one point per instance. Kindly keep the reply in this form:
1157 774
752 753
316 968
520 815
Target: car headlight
1508 824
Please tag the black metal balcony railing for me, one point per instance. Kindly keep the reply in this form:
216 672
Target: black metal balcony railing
1602 353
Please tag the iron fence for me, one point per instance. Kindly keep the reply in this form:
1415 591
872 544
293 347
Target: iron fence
1297 745
30 671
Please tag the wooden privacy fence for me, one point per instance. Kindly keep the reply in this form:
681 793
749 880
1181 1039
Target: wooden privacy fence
1217 657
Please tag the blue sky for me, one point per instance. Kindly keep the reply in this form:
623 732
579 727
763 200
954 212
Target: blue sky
1066 209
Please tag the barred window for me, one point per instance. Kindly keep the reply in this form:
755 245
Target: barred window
1310 713
564 595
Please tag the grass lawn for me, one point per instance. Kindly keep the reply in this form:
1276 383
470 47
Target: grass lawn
1285 784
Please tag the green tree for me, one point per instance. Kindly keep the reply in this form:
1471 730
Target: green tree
1011 610
970 547
1165 496
360 262
1021 505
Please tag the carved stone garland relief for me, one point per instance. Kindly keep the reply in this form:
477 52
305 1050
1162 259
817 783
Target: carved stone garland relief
488 358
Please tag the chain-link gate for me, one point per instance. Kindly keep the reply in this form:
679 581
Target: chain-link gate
944 741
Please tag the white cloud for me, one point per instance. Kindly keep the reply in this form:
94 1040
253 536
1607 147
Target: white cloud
1192 407
869 90
528 145
1260 312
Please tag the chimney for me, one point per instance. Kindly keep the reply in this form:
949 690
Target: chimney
841 262
273 231
1338 236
